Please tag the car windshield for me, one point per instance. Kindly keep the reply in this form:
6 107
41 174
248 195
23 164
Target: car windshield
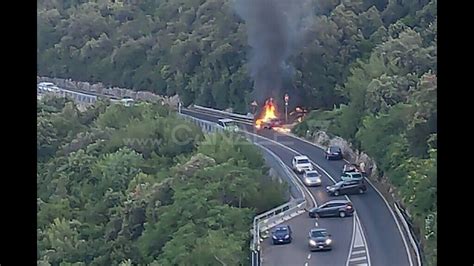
300 161
230 124
319 234
281 230
356 175
334 149
312 174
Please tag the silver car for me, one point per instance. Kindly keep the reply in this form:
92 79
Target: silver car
319 239
312 178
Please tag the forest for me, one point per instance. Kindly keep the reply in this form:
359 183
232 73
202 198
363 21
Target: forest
366 68
114 188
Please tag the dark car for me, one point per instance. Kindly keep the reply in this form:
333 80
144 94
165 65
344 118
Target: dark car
334 153
347 187
319 239
341 208
275 122
281 234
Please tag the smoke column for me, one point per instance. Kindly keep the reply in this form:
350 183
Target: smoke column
274 30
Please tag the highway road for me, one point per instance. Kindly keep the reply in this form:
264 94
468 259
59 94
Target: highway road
371 237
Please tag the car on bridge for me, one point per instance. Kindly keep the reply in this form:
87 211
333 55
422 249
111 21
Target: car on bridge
47 87
282 235
127 101
319 239
347 187
301 163
333 153
312 178
228 125
341 208
352 176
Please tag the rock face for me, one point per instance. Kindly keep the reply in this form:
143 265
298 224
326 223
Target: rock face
117 92
322 139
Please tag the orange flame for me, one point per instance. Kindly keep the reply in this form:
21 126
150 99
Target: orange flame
269 112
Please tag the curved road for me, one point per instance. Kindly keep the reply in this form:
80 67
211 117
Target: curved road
377 233
372 233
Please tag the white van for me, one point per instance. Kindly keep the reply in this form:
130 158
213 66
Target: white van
127 101
228 124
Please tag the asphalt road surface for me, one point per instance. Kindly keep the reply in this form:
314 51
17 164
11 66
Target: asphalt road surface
376 240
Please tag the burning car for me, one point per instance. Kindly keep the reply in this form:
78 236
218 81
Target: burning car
268 117
275 122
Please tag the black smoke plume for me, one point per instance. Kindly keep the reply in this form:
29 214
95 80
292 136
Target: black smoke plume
274 31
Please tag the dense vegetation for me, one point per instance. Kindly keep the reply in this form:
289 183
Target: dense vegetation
368 67
391 114
114 187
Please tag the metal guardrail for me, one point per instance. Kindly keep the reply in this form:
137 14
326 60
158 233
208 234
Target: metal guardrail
411 234
268 219
250 118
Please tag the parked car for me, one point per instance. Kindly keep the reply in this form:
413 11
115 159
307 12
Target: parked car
341 208
281 234
312 178
319 239
352 176
301 163
347 187
334 153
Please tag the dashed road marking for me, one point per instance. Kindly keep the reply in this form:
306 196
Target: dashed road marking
359 254
316 224
358 258
306 264
309 256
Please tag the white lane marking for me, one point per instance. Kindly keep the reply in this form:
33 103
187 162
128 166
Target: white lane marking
290 170
316 224
384 200
358 252
352 240
328 175
306 264
361 264
358 258
355 219
358 242
359 224
309 256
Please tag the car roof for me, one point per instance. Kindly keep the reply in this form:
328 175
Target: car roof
299 157
337 201
281 227
46 83
334 147
311 171
318 230
226 120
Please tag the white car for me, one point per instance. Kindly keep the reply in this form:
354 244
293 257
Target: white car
301 163
228 124
312 178
47 87
351 176
127 101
